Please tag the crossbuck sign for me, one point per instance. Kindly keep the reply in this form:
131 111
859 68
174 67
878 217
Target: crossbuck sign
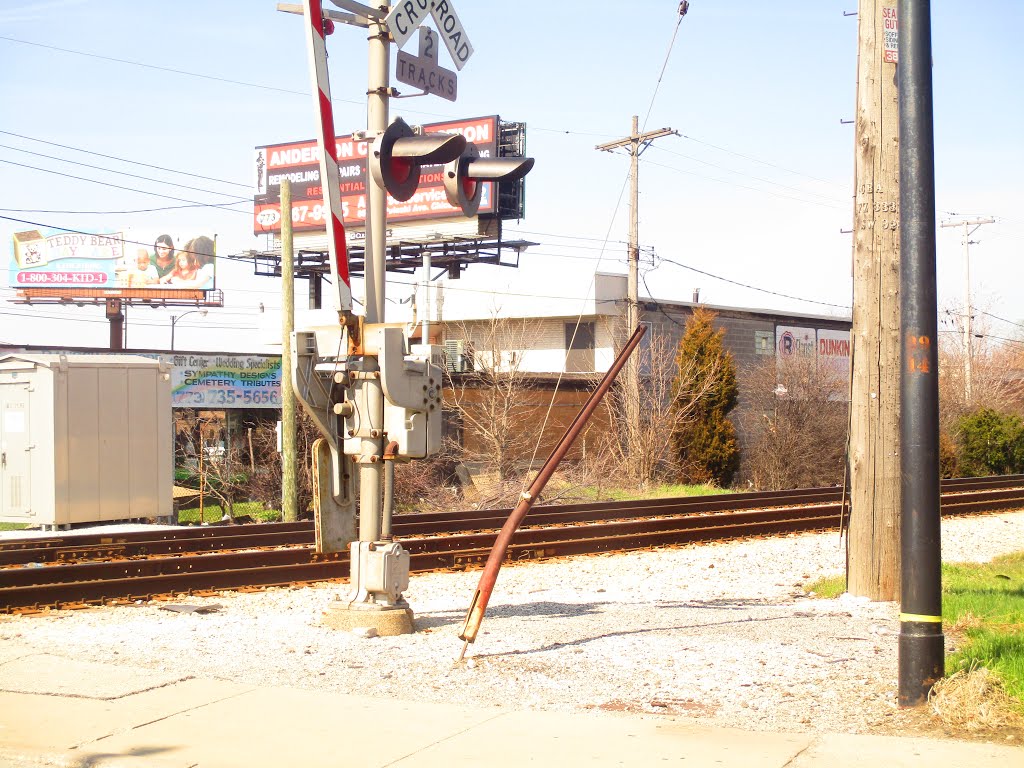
407 15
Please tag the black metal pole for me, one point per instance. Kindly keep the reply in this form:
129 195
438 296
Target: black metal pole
115 316
921 643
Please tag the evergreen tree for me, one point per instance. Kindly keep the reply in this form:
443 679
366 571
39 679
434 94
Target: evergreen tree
704 443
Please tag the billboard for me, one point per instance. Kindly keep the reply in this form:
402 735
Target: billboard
299 162
792 340
828 347
216 382
124 261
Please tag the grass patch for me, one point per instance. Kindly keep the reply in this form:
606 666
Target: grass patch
665 491
13 526
212 513
827 587
983 613
983 606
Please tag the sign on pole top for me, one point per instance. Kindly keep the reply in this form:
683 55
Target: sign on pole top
452 31
406 16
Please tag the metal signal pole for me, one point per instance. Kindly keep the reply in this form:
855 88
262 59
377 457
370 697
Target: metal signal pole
921 643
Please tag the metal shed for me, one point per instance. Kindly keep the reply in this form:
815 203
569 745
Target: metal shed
84 439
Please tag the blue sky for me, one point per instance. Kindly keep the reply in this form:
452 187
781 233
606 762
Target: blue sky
756 190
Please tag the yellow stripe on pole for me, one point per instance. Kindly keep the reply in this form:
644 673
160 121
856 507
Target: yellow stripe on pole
920 617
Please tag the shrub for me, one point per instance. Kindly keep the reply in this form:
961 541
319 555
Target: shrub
948 461
795 423
705 389
991 443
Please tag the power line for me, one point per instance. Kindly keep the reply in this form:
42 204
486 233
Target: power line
1000 338
229 257
117 213
762 162
48 316
683 7
123 159
199 75
748 175
221 206
123 173
744 186
1001 319
754 287
566 237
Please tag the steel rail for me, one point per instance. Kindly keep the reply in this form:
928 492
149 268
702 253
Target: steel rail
60 585
291 534
745 500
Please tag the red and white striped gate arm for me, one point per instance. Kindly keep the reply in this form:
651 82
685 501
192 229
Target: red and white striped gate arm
317 49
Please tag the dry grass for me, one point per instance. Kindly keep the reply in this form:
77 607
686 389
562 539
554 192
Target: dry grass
973 700
964 622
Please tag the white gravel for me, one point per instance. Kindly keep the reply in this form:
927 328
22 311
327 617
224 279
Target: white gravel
722 633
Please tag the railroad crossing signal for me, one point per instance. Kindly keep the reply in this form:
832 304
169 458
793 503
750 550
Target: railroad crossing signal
398 153
463 176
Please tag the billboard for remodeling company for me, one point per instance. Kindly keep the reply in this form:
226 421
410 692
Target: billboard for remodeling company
120 263
299 162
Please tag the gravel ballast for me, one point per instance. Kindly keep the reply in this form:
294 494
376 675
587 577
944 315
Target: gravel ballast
722 633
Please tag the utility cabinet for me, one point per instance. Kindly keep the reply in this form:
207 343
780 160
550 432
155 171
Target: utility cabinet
84 439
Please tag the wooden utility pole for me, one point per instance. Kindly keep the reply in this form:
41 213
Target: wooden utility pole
968 331
873 567
289 495
634 144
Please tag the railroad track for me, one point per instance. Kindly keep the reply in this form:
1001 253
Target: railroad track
73 570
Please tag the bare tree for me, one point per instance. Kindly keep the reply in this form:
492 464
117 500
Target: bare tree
492 400
265 478
796 423
996 368
642 452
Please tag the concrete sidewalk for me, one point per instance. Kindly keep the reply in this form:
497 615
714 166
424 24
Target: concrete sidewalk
61 712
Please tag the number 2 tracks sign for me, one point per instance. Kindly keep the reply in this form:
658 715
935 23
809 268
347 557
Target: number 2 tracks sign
423 72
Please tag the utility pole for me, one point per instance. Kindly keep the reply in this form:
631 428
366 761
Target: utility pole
873 565
968 331
289 497
635 144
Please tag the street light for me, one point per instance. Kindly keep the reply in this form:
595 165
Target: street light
176 318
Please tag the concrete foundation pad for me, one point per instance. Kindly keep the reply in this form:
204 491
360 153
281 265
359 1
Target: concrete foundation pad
387 621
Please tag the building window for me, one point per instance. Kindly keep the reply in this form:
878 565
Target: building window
579 346
764 342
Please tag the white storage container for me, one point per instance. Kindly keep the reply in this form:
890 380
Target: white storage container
84 439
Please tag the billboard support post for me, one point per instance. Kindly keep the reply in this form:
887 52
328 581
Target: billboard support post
115 314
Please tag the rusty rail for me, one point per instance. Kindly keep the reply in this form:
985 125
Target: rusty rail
97 583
